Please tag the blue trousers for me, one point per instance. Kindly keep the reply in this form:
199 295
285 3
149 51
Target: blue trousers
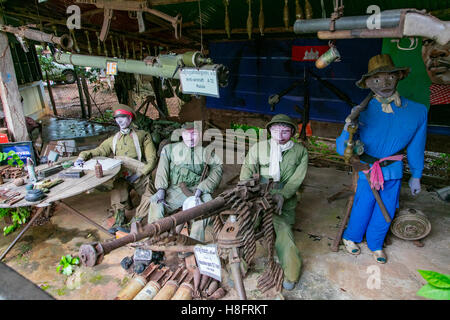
366 217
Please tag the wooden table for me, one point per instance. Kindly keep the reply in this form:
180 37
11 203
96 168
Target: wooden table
68 188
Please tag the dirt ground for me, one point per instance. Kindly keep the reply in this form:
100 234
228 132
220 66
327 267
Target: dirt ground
325 274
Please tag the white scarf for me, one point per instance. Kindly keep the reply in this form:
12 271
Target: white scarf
276 156
386 102
125 131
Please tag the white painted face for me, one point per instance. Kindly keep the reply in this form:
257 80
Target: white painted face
281 133
191 137
123 121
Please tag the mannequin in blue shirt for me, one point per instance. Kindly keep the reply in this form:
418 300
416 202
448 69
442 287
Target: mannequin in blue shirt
388 125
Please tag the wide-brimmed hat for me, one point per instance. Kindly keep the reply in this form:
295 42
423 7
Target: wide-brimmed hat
282 118
123 109
381 63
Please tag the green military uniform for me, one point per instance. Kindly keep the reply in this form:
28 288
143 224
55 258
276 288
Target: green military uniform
137 145
292 172
179 164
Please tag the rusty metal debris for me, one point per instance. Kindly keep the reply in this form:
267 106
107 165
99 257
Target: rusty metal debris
11 172
236 229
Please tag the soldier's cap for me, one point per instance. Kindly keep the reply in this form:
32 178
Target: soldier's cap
282 119
188 125
123 109
381 63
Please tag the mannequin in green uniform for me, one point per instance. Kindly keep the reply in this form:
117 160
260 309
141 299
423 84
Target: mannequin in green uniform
286 162
132 144
179 175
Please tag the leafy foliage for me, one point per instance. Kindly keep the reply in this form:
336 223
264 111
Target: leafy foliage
18 216
12 157
438 286
66 264
246 127
47 65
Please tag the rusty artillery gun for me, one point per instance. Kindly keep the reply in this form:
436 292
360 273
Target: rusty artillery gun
242 215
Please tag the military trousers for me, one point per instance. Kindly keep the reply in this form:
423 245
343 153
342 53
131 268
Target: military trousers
173 201
285 246
120 194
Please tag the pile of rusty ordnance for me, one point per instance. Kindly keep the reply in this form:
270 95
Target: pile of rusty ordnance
241 216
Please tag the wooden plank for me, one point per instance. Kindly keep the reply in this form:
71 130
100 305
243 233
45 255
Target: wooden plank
166 2
9 92
66 189
73 187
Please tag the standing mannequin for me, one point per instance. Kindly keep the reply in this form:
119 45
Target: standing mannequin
388 125
128 143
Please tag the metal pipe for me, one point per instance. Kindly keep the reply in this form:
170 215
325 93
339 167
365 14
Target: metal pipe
65 41
236 273
412 23
92 254
165 66
389 19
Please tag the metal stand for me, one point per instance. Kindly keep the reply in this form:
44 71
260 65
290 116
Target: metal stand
39 213
78 213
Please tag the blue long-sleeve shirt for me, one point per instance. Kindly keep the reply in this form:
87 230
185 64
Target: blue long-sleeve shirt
385 134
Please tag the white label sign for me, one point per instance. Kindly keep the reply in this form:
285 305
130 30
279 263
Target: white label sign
201 82
208 261
111 68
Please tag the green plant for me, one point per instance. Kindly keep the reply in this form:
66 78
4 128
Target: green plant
18 216
438 286
244 127
66 264
442 161
12 157
107 117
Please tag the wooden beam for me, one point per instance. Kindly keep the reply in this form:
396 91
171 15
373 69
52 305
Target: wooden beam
165 2
255 30
63 23
9 92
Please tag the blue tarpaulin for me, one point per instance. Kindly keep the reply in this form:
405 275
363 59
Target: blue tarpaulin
261 68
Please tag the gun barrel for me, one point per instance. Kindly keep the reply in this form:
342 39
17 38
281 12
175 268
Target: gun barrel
388 19
92 254
65 41
165 66
415 24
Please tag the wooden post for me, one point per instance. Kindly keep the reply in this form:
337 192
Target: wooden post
86 93
50 93
80 94
9 92
160 101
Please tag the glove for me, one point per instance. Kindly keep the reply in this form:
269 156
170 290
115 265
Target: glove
161 195
414 185
198 194
79 162
278 198
133 178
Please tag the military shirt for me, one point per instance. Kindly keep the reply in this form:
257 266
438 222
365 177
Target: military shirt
125 147
179 163
293 167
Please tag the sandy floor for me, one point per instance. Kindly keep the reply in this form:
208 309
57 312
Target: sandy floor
325 274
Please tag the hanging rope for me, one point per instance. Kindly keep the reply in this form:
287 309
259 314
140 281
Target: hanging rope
338 12
201 26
